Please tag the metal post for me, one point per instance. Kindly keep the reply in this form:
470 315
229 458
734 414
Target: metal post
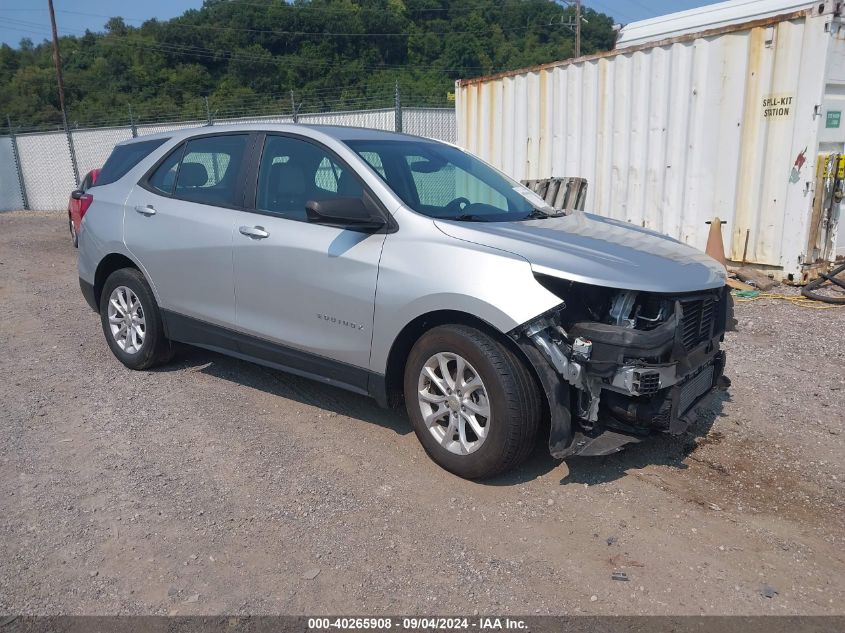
397 105
293 108
132 123
208 115
18 166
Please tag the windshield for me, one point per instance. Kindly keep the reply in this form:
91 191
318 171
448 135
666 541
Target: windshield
443 182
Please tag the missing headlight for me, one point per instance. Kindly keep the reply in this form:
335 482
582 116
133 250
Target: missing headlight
629 309
638 310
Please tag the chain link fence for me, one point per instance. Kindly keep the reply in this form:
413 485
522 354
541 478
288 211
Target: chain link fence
40 166
10 188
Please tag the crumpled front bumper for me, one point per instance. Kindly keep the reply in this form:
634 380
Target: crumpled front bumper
632 383
608 436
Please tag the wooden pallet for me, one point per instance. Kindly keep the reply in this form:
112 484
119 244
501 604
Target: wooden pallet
563 194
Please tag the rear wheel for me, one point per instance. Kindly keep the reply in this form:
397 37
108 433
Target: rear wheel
474 404
131 320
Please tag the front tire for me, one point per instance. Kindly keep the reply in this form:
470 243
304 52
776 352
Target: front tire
131 320
474 404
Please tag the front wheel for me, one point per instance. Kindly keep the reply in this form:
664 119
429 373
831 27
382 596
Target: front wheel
131 320
474 404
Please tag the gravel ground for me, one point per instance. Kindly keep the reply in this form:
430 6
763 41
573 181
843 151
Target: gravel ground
216 486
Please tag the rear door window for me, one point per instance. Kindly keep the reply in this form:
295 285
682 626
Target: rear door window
124 157
210 169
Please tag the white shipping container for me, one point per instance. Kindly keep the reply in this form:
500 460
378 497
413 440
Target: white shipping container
734 120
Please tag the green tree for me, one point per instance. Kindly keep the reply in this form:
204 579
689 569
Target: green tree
246 56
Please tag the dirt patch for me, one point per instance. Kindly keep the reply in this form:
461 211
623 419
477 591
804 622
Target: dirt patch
216 486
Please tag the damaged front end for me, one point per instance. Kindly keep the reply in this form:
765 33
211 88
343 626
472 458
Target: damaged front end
617 365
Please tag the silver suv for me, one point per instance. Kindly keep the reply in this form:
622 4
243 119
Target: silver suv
401 267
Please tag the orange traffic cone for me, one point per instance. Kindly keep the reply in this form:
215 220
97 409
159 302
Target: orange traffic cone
715 246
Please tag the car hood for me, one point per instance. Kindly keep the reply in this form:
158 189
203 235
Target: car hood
594 250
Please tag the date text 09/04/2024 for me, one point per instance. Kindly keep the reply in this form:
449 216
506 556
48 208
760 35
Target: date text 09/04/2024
417 623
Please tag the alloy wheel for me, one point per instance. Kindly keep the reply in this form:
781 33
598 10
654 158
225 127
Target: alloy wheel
126 319
454 403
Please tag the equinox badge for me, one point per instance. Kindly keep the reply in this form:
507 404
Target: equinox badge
336 321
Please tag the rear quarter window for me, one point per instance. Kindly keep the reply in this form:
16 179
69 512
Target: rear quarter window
164 176
209 170
124 157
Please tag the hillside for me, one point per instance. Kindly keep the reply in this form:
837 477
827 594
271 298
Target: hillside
247 56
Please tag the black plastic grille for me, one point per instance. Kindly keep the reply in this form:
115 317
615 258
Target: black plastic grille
697 321
694 388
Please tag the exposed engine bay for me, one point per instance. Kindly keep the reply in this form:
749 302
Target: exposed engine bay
628 363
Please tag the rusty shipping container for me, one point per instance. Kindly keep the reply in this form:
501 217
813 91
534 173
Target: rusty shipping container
733 110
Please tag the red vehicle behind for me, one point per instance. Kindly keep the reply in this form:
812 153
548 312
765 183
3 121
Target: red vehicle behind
79 202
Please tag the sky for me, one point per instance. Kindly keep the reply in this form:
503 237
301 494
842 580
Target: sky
29 18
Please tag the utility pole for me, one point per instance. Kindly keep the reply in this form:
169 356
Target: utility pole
57 58
577 28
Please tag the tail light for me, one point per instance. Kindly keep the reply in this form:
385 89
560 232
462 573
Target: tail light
84 202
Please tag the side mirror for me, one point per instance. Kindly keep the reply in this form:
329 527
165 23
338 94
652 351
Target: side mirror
344 212
76 194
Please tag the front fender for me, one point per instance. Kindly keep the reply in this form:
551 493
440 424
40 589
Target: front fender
423 271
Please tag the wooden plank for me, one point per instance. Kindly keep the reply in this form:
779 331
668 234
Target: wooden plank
755 277
736 284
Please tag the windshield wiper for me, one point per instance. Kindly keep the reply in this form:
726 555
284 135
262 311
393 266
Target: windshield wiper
539 214
470 217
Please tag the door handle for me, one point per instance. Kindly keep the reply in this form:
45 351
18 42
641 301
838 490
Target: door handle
255 232
147 210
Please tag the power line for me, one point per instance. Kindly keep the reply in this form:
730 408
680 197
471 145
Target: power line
610 11
290 8
216 54
322 33
651 12
465 6
197 51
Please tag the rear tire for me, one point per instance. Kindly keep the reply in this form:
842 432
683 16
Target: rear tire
132 322
508 394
